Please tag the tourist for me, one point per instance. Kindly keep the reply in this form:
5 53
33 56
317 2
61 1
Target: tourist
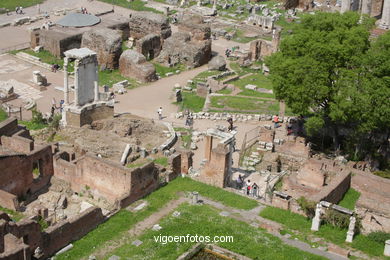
55 67
289 127
255 188
53 109
248 187
20 10
230 121
240 182
61 104
17 10
276 121
159 112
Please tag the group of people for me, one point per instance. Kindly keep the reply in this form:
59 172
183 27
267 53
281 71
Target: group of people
189 119
55 68
84 10
54 107
251 189
19 10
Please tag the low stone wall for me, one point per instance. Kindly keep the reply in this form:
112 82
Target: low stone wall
335 191
89 114
58 236
8 127
18 144
171 140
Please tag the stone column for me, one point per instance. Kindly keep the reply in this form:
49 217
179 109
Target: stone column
66 85
385 20
76 83
195 197
96 86
345 6
387 248
366 7
351 229
315 224
208 147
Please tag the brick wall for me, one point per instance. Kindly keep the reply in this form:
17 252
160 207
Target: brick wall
17 144
335 191
216 169
8 127
60 235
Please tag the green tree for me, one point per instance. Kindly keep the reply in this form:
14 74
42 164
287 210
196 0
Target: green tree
330 69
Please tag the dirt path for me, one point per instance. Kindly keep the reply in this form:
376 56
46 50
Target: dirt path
139 228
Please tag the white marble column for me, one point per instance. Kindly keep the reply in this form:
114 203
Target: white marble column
351 229
66 85
76 83
345 6
96 86
385 20
387 248
315 224
366 7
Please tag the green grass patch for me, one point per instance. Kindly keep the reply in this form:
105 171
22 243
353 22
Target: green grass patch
349 199
225 91
233 103
383 174
136 5
163 70
49 58
33 125
240 70
192 102
12 4
110 77
206 221
257 79
14 215
163 161
330 233
117 225
3 115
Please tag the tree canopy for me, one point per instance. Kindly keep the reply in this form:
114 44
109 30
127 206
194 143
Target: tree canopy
330 68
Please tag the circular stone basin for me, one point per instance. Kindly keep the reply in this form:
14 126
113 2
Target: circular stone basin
78 20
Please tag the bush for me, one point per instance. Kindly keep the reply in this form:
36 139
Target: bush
336 218
37 117
309 207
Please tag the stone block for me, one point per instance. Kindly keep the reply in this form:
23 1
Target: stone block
134 65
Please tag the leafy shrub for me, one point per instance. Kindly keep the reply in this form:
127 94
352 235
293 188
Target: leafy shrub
336 218
308 207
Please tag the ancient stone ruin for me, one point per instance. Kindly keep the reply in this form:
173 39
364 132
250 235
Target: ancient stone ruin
88 104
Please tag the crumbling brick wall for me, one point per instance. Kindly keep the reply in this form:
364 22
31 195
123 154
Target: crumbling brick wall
143 23
89 114
336 189
107 179
60 235
57 42
149 45
215 171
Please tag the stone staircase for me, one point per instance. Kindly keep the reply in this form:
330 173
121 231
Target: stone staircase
32 59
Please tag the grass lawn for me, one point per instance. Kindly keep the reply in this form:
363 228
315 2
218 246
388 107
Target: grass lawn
163 161
136 5
32 126
110 77
202 77
245 70
232 103
162 70
205 221
115 227
349 199
330 233
14 215
3 115
191 101
48 58
258 80
224 91
12 4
